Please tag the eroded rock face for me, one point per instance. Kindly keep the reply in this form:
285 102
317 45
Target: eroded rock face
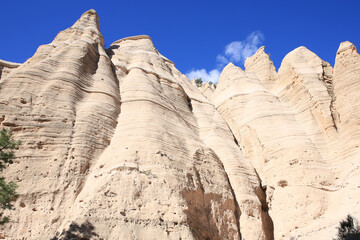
118 144
277 147
114 145
157 178
63 104
6 67
288 124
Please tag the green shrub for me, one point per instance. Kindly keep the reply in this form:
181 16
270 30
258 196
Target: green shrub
198 82
7 190
348 229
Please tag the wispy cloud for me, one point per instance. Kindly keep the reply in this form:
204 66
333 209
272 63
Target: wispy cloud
211 76
238 51
235 52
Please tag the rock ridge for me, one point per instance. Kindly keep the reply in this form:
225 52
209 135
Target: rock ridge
119 144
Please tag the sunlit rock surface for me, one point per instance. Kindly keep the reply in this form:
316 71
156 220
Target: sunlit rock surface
118 144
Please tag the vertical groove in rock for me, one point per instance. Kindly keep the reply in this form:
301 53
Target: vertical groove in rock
302 87
276 145
346 85
118 144
327 78
215 133
63 104
157 178
268 225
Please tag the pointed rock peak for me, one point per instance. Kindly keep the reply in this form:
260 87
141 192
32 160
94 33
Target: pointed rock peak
298 52
260 50
206 85
90 12
230 65
88 19
229 69
87 27
259 56
301 48
300 55
345 46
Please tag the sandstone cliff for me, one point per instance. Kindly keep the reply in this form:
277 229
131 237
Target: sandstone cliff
6 67
118 144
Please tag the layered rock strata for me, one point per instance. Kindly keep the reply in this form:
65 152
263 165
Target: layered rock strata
118 144
289 126
6 67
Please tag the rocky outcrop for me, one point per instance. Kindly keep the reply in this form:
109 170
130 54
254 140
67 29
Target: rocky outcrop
6 67
157 178
207 89
118 144
346 85
63 104
288 124
277 146
261 65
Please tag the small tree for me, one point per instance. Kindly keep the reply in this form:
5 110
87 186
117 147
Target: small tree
198 82
348 229
7 190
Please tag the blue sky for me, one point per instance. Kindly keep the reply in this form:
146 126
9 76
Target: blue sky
198 36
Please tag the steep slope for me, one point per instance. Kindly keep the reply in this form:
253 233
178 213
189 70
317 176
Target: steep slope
156 179
119 144
207 90
294 128
63 104
6 67
283 155
261 65
346 87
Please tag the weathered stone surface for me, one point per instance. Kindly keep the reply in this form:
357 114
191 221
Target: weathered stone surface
262 66
63 104
6 67
207 89
289 126
118 144
346 90
157 179
283 155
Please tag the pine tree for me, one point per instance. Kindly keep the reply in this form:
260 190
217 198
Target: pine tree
198 82
7 190
348 229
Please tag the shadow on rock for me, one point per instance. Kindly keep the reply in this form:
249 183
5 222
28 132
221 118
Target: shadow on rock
84 231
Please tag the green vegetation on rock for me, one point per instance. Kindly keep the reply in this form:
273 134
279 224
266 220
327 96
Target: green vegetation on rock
7 190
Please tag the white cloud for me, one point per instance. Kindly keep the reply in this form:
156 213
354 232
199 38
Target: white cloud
238 51
211 76
235 52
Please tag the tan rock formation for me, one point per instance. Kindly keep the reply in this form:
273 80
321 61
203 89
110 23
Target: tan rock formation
346 85
262 66
122 144
63 104
207 89
118 144
277 146
289 126
6 67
